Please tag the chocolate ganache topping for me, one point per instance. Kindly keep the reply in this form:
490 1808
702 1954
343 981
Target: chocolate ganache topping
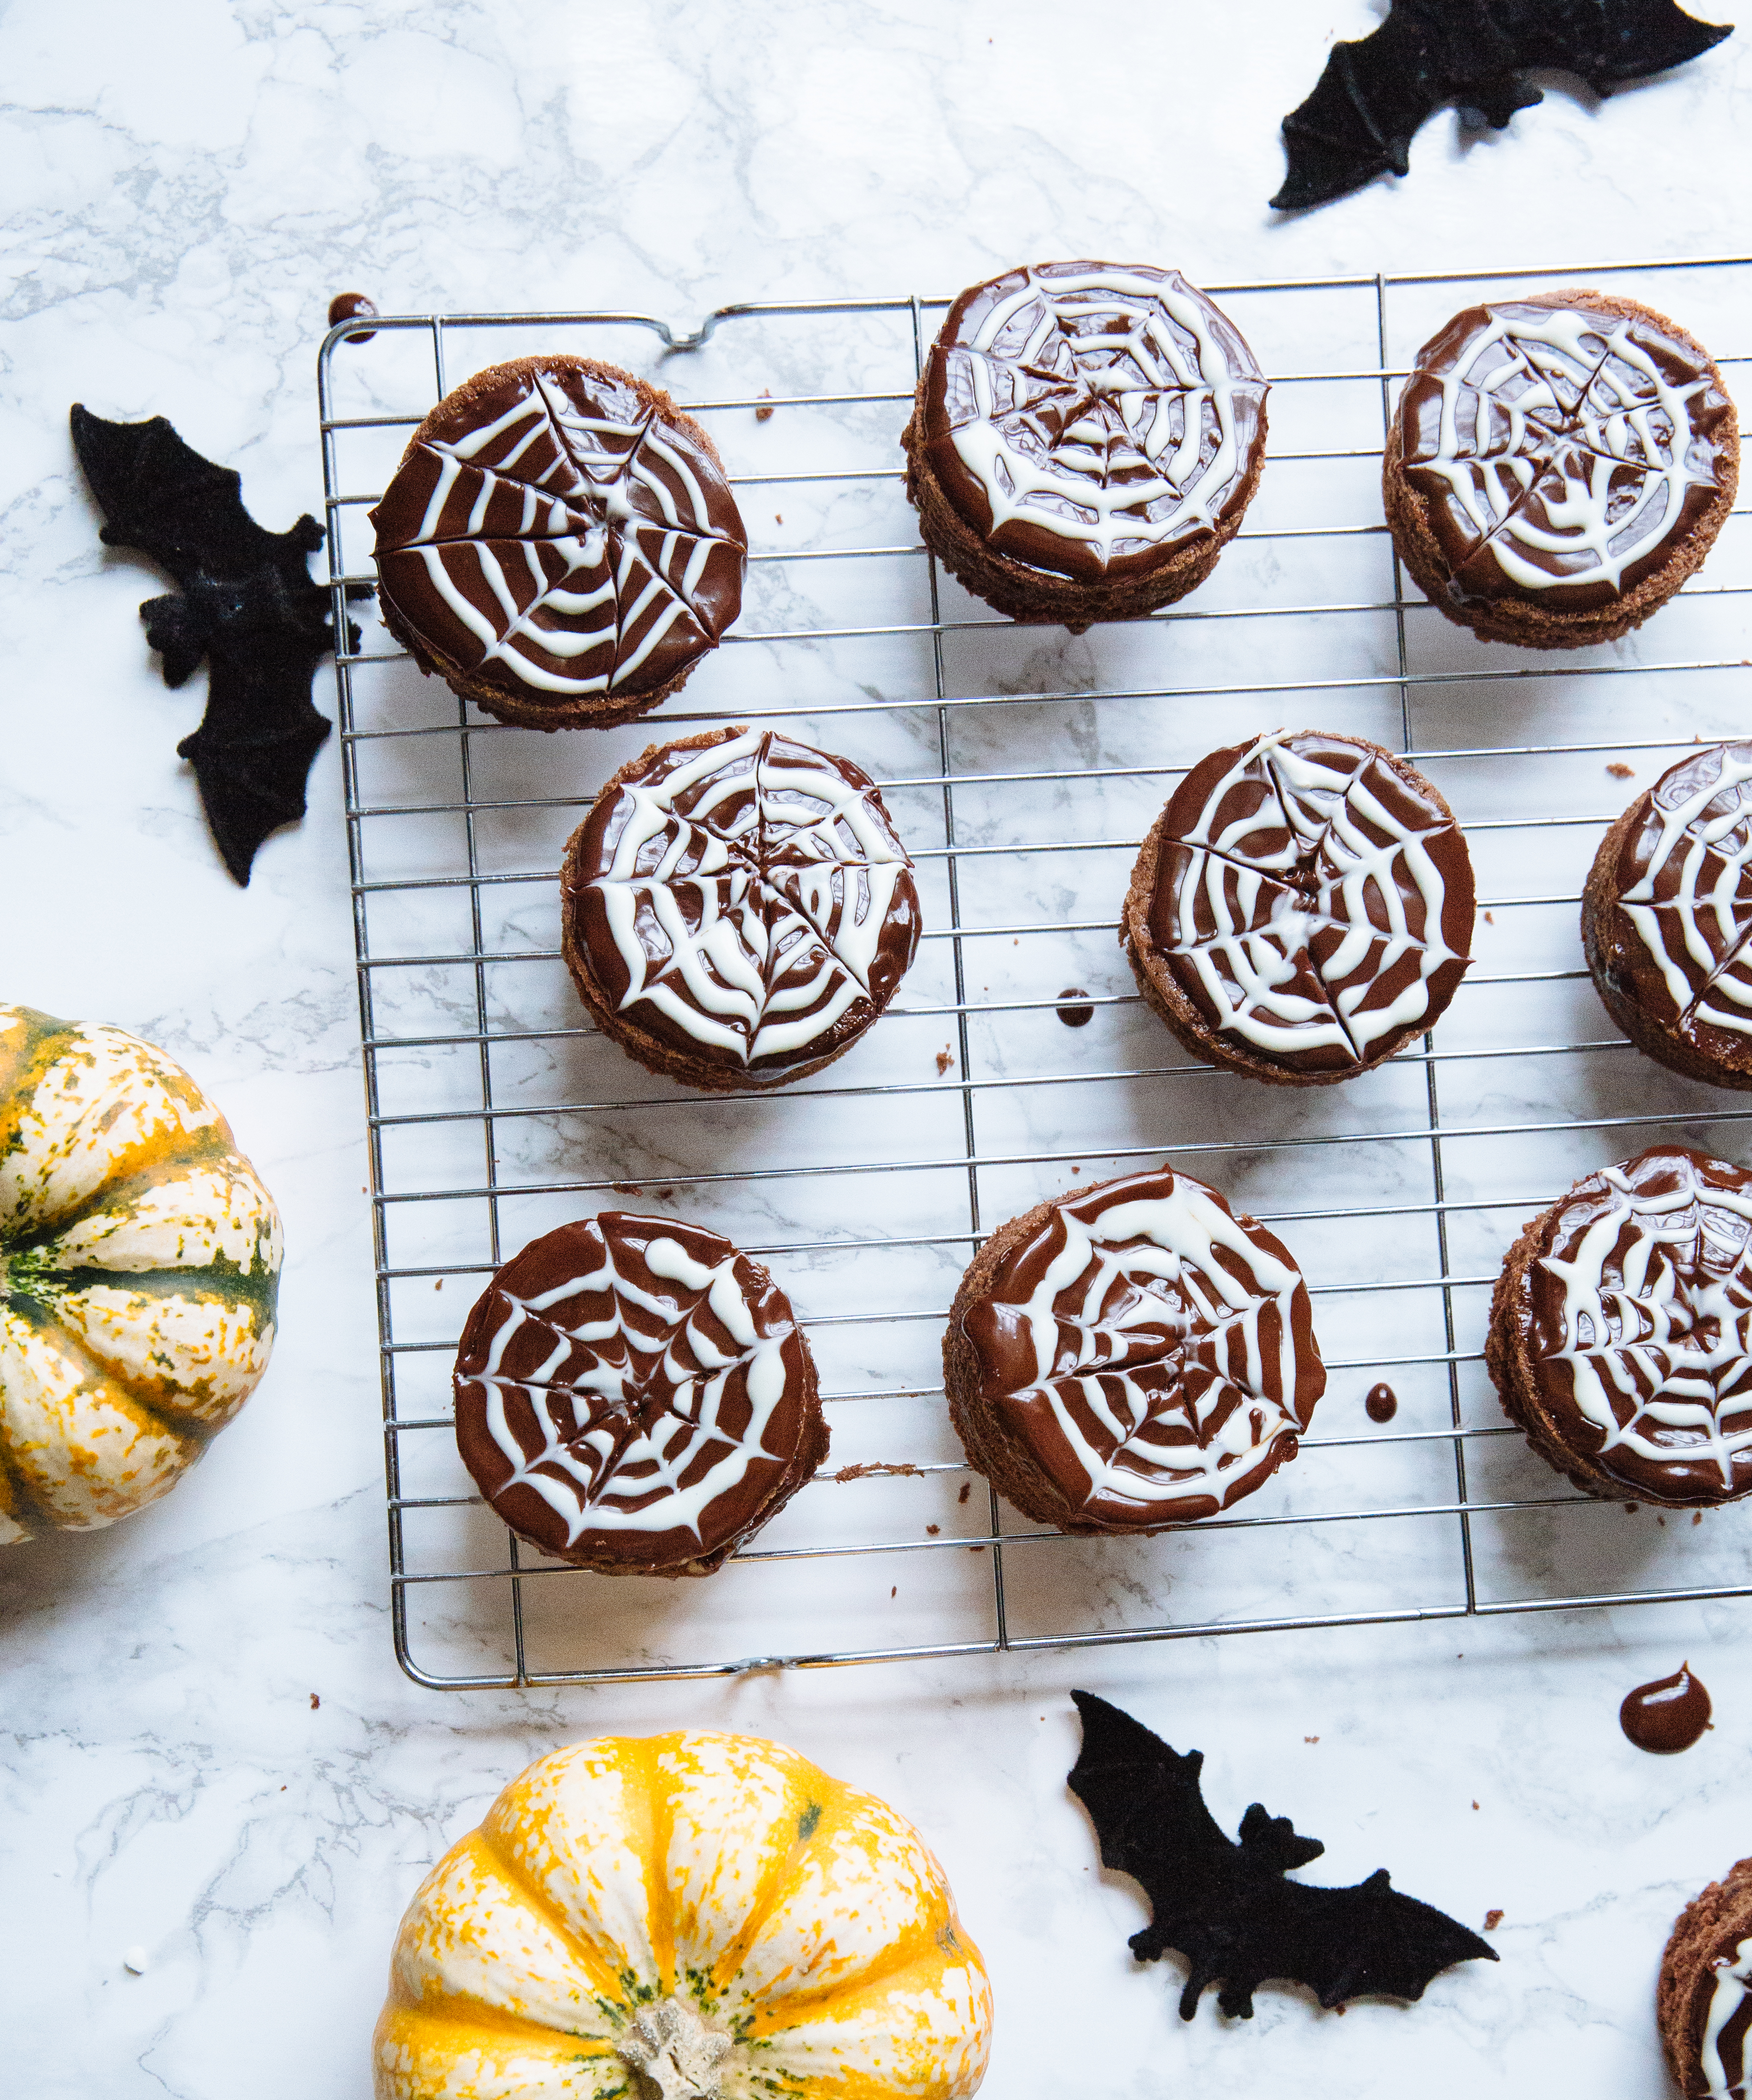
634 1393
1153 1353
1090 418
1636 1319
1682 930
1314 899
745 898
1562 451
553 530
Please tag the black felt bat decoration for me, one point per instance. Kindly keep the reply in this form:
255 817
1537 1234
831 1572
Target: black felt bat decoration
1375 93
246 603
1227 1906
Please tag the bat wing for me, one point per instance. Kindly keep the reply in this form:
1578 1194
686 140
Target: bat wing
1606 42
252 753
1143 1797
1375 93
159 495
1371 1941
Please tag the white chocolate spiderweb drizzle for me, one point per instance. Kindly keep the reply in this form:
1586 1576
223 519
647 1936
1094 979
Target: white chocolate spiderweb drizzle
1563 448
1165 1351
756 894
576 541
1307 907
1646 1299
648 1404
1692 905
1108 406
1721 2055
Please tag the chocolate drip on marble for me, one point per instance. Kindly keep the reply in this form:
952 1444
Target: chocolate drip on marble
1382 1403
1668 1715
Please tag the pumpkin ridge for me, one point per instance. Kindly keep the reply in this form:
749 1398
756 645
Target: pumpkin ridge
780 1875
140 1168
660 1898
221 1281
23 1509
912 1950
158 1412
36 1030
608 1985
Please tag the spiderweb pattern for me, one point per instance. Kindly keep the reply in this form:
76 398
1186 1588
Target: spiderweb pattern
1110 408
636 1390
578 541
1646 1295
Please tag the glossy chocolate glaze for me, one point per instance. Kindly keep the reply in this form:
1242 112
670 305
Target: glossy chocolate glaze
1667 1715
1635 1318
1679 936
1575 446
757 888
1164 1374
1312 902
555 532
1090 419
633 1393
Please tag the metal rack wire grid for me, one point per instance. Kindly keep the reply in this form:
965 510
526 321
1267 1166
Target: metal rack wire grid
1023 766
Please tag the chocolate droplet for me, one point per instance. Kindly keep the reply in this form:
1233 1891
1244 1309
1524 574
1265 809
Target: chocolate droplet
344 305
1383 1403
1668 1715
1074 1008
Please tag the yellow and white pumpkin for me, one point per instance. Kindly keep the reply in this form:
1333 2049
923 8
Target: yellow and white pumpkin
139 1266
688 1917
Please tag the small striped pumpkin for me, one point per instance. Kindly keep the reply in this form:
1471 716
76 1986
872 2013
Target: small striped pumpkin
694 1917
139 1265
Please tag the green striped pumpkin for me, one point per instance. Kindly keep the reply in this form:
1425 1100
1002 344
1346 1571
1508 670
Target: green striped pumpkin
139 1267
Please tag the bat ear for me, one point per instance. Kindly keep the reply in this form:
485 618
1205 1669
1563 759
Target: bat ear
1271 1844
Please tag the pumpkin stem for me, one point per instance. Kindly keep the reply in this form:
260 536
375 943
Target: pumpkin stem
677 2050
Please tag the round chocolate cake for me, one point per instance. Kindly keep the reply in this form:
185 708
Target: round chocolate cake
1703 2002
1621 1331
1085 439
634 1396
1666 918
1131 1355
1301 909
737 908
559 543
1558 466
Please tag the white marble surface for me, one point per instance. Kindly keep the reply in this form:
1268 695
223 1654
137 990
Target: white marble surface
185 186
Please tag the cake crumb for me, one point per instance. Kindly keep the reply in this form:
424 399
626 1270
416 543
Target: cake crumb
931 1530
1475 1804
976 1549
873 1466
765 415
777 518
1490 919
665 1194
624 1187
895 1592
967 1489
1311 1739
439 1285
1076 1169
1493 1919
315 1702
1620 771
1696 1516
944 1060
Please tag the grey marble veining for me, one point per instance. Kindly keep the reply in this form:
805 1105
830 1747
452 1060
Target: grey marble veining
186 186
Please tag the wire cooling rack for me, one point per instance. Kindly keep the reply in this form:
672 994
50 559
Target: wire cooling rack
1023 766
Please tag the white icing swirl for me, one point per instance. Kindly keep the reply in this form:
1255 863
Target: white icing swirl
1309 902
671 1418
751 889
1651 1263
1102 404
1733 1977
1565 444
1692 906
1170 1348
570 543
